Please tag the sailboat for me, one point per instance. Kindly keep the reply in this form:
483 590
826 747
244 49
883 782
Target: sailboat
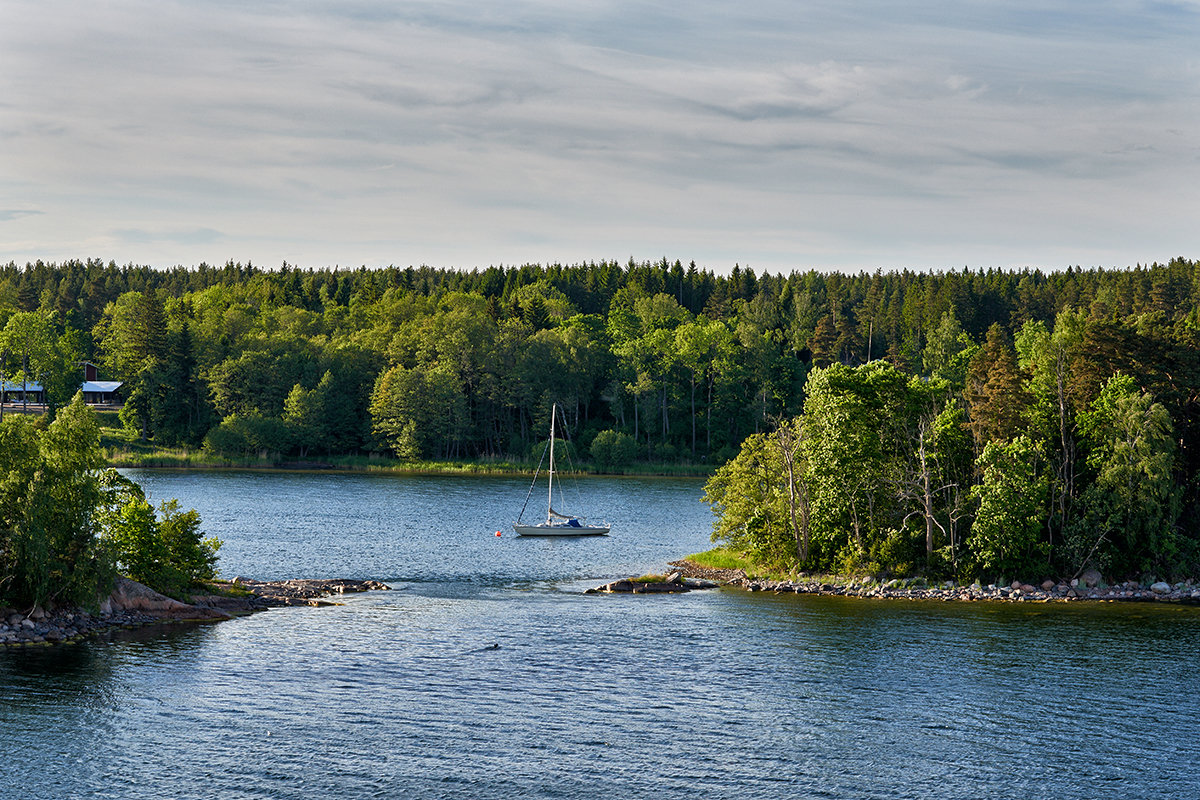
556 524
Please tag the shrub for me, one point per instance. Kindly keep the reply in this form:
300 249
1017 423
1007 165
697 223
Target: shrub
612 450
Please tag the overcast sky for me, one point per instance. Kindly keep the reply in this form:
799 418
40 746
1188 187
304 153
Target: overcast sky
833 134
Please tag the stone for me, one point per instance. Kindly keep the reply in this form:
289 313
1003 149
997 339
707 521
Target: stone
1027 589
1074 582
1015 585
1161 587
1047 585
1091 578
130 595
28 624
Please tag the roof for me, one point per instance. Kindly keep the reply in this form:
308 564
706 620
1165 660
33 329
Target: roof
100 386
30 386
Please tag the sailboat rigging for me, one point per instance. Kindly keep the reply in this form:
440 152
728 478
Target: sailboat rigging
556 524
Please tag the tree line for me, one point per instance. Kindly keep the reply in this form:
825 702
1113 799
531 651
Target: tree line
985 418
1070 446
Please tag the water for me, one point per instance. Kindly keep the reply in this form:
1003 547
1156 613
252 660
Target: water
716 694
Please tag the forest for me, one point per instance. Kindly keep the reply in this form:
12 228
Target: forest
958 423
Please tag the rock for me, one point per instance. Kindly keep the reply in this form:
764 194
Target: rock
1162 587
1047 585
1027 589
1074 582
674 577
1015 585
130 595
1091 578
38 614
28 624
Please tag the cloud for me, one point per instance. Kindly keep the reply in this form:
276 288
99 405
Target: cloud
467 133
9 214
190 236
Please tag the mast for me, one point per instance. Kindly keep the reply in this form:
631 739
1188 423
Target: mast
550 494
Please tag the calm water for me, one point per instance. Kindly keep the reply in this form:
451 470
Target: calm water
714 694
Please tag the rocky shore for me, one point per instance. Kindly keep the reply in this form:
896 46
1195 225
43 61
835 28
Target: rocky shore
675 583
1090 586
132 605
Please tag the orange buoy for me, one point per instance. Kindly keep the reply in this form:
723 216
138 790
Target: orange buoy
497 533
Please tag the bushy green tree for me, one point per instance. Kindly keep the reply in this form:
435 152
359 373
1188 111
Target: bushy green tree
50 494
852 427
418 407
612 450
1129 511
750 503
1006 538
165 551
249 435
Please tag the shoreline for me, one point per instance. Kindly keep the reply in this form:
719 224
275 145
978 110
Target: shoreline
1185 593
132 605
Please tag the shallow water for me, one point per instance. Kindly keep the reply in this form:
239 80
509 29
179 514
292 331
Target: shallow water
722 693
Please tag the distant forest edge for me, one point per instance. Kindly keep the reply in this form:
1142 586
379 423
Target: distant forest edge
959 422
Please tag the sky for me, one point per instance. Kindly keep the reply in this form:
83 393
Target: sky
832 135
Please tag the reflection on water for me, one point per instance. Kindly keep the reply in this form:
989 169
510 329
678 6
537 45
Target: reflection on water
514 684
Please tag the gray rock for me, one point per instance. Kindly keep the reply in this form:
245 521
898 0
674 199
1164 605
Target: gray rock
1091 578
28 624
1047 584
1162 587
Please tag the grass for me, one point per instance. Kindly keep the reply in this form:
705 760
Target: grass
125 448
724 558
719 558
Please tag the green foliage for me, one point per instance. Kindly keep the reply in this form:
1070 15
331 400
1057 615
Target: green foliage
166 552
852 439
948 351
751 508
250 435
65 526
48 498
612 450
687 363
1132 506
418 412
1005 538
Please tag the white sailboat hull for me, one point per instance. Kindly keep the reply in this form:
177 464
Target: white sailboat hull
561 530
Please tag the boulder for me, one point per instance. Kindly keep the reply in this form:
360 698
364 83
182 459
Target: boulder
1162 587
130 595
1091 578
1047 585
